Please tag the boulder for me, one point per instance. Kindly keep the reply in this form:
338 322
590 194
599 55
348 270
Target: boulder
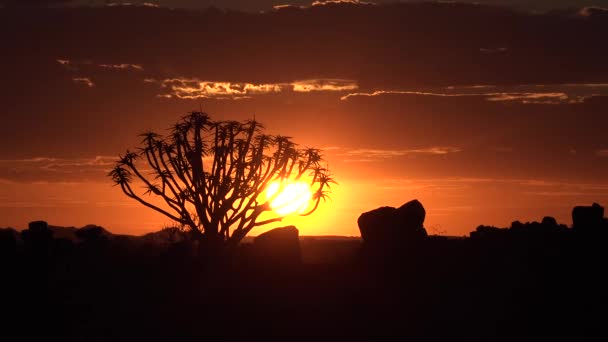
549 222
38 226
37 231
587 217
37 238
278 246
388 225
377 225
92 233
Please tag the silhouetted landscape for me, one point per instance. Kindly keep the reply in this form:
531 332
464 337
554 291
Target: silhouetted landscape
370 170
531 281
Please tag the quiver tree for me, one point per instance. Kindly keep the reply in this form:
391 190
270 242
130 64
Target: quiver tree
210 175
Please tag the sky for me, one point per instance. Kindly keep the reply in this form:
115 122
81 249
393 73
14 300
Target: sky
265 5
485 114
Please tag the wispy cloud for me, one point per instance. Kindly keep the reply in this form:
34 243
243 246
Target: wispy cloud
283 6
602 153
73 65
60 162
531 187
592 10
370 155
527 98
86 81
535 98
526 94
194 88
50 169
122 66
559 193
336 2
331 148
323 3
130 4
306 86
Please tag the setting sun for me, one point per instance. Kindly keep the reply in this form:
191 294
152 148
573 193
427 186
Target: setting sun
289 197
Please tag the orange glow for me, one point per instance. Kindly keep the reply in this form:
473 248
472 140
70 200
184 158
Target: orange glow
289 197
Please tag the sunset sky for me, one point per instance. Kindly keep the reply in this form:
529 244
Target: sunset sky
485 114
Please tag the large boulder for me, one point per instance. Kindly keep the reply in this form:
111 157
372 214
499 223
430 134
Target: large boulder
388 225
38 238
278 246
587 218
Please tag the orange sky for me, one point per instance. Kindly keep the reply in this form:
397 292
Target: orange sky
498 120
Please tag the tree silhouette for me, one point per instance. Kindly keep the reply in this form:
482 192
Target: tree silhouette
210 175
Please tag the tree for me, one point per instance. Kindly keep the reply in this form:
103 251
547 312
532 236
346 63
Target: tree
209 175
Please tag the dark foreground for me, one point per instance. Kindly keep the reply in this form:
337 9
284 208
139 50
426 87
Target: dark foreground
490 288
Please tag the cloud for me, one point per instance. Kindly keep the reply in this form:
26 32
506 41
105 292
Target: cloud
306 86
340 2
533 187
322 3
131 4
559 193
51 169
528 98
535 98
83 81
284 6
370 155
193 88
122 66
527 94
33 3
602 153
77 65
331 148
592 11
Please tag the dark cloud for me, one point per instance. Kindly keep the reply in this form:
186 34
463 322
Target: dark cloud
594 12
264 5
442 44
33 3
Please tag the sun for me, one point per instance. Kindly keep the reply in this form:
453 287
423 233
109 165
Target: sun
288 197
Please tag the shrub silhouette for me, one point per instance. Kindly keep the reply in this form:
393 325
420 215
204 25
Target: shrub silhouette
210 175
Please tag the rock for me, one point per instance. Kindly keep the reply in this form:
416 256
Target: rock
279 246
92 233
488 233
388 225
38 226
549 221
411 217
376 225
38 238
586 218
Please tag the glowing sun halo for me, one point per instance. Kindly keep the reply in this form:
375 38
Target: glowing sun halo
294 197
